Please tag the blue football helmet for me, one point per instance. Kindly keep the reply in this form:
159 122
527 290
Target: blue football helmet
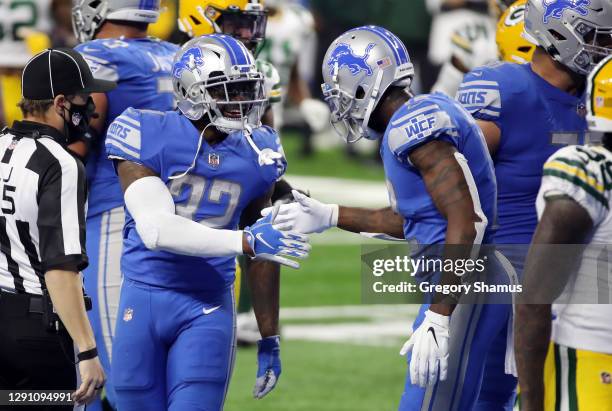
89 15
357 69
216 75
576 33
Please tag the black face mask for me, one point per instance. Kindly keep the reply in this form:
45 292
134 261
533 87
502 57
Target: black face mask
76 125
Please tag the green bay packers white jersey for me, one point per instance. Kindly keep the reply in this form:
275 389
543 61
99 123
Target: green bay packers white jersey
584 173
472 45
272 84
16 17
287 34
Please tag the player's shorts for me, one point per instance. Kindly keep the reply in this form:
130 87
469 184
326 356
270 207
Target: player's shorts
102 283
173 350
478 342
577 380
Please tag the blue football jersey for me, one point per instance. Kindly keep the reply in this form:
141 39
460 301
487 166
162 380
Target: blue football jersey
422 119
225 179
142 69
535 119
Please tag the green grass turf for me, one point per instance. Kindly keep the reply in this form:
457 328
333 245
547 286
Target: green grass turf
329 163
323 377
330 276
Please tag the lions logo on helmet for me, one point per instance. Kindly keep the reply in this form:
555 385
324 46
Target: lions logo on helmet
343 56
190 60
555 8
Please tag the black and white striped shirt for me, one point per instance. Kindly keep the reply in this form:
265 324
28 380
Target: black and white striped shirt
42 207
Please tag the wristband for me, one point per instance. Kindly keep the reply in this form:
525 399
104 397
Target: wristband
333 218
87 355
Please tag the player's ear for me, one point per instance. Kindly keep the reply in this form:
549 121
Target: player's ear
59 103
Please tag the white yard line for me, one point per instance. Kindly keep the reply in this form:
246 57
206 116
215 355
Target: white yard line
379 334
345 191
350 311
387 325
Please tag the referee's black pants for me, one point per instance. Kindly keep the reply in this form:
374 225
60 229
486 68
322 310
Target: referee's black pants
32 358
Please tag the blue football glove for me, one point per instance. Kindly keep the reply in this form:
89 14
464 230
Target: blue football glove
268 365
271 244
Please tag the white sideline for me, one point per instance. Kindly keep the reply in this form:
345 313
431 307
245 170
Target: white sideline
386 325
340 311
362 193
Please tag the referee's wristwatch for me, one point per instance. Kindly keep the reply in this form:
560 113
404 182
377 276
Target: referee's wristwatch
87 355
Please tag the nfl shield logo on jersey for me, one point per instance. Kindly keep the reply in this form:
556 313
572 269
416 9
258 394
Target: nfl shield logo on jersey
128 314
214 160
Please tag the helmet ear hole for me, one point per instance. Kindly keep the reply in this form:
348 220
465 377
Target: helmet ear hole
557 35
195 20
360 93
95 3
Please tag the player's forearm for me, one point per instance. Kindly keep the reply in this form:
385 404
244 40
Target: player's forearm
532 326
383 220
151 205
460 236
66 291
180 235
446 174
264 283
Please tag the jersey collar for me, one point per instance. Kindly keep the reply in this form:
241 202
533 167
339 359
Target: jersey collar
554 92
36 130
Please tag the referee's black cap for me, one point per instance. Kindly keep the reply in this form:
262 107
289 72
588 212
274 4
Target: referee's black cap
60 71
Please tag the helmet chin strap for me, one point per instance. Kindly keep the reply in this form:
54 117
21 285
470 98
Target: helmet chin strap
195 157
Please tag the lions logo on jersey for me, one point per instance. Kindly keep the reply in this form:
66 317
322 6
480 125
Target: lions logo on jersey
344 56
191 60
555 8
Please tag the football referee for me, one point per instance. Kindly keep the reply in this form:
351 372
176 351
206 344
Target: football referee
42 233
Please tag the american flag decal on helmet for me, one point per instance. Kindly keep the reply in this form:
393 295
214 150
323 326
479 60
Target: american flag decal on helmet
384 62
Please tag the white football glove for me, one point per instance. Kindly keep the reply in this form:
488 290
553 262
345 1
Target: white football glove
429 345
315 113
305 216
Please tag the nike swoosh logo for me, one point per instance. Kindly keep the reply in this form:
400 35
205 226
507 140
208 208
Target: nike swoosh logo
477 73
259 236
433 332
207 311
